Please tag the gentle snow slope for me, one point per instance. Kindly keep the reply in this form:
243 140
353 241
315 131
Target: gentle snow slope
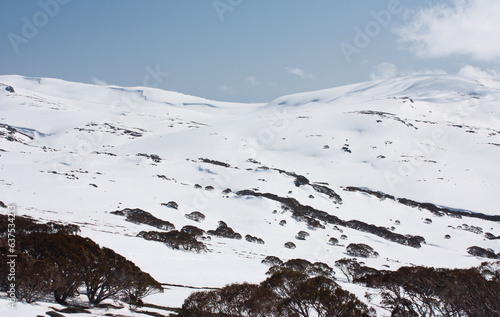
69 152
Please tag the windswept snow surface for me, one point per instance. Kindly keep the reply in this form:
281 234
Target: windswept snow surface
69 153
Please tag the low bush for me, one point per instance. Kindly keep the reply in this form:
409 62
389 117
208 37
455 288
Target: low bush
177 240
140 216
361 250
224 231
253 239
195 216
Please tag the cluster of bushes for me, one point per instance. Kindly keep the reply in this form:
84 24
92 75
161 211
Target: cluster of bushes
300 288
155 158
361 250
224 231
491 236
313 217
473 229
139 216
186 239
333 241
327 191
26 226
286 292
52 259
484 253
301 180
409 240
302 235
437 211
171 204
312 224
300 265
253 239
214 162
425 291
195 216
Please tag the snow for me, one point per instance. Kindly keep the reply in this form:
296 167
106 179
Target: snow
429 138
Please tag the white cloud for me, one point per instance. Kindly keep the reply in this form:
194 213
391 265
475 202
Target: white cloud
388 70
467 27
228 90
422 72
99 82
253 80
476 72
384 71
299 72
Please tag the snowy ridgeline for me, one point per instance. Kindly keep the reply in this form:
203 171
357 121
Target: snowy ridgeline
198 192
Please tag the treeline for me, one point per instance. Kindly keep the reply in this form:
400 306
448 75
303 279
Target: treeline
426 291
52 259
299 288
295 288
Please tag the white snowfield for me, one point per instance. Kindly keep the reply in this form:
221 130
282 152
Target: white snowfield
69 153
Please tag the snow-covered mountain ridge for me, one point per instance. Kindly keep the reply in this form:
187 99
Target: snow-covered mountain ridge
75 153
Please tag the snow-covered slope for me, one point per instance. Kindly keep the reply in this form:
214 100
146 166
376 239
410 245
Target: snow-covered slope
74 153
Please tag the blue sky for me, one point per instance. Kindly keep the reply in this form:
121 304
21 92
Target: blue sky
246 50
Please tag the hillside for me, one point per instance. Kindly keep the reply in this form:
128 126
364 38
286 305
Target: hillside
396 164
